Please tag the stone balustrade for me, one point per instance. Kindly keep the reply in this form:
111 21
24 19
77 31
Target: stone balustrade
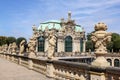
65 70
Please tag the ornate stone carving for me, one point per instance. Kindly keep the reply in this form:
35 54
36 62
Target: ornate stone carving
52 45
35 31
5 48
100 38
14 48
32 47
22 46
10 48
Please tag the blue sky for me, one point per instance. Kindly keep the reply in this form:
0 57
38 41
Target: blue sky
18 16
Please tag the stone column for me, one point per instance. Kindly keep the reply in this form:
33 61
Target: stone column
112 62
50 69
19 61
30 66
60 45
84 45
46 44
76 46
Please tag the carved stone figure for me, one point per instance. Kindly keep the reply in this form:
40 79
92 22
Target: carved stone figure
22 46
14 48
10 48
6 48
32 47
52 45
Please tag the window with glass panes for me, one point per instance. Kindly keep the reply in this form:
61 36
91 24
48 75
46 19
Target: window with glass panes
68 44
41 42
116 63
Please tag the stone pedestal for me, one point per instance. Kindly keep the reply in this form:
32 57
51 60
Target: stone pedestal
100 62
8 57
19 60
30 64
32 55
97 76
12 58
50 69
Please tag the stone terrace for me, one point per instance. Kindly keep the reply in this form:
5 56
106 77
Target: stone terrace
12 71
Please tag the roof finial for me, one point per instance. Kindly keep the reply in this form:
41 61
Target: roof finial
69 15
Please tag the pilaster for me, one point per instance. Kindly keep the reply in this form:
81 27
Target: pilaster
46 44
60 45
76 45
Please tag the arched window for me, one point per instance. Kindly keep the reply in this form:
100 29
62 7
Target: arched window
41 42
110 61
68 44
116 63
81 44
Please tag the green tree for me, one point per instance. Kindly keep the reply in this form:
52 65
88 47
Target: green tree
110 46
3 40
115 40
89 45
116 45
11 40
19 40
115 36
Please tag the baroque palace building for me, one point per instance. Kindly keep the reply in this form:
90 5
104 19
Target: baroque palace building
70 36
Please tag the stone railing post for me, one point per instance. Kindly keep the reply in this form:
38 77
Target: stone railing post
100 38
97 76
30 63
12 58
50 69
19 61
8 57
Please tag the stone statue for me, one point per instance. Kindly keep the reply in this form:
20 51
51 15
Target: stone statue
22 46
10 48
32 47
5 48
14 48
52 45
100 38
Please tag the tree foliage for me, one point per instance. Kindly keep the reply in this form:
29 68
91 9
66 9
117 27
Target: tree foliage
89 45
11 40
114 44
3 40
19 40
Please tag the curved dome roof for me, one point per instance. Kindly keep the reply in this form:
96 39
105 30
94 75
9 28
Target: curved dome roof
78 28
50 24
56 24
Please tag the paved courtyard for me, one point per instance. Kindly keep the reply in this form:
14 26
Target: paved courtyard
12 71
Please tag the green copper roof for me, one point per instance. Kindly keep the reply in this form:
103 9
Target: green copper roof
78 28
50 24
56 24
